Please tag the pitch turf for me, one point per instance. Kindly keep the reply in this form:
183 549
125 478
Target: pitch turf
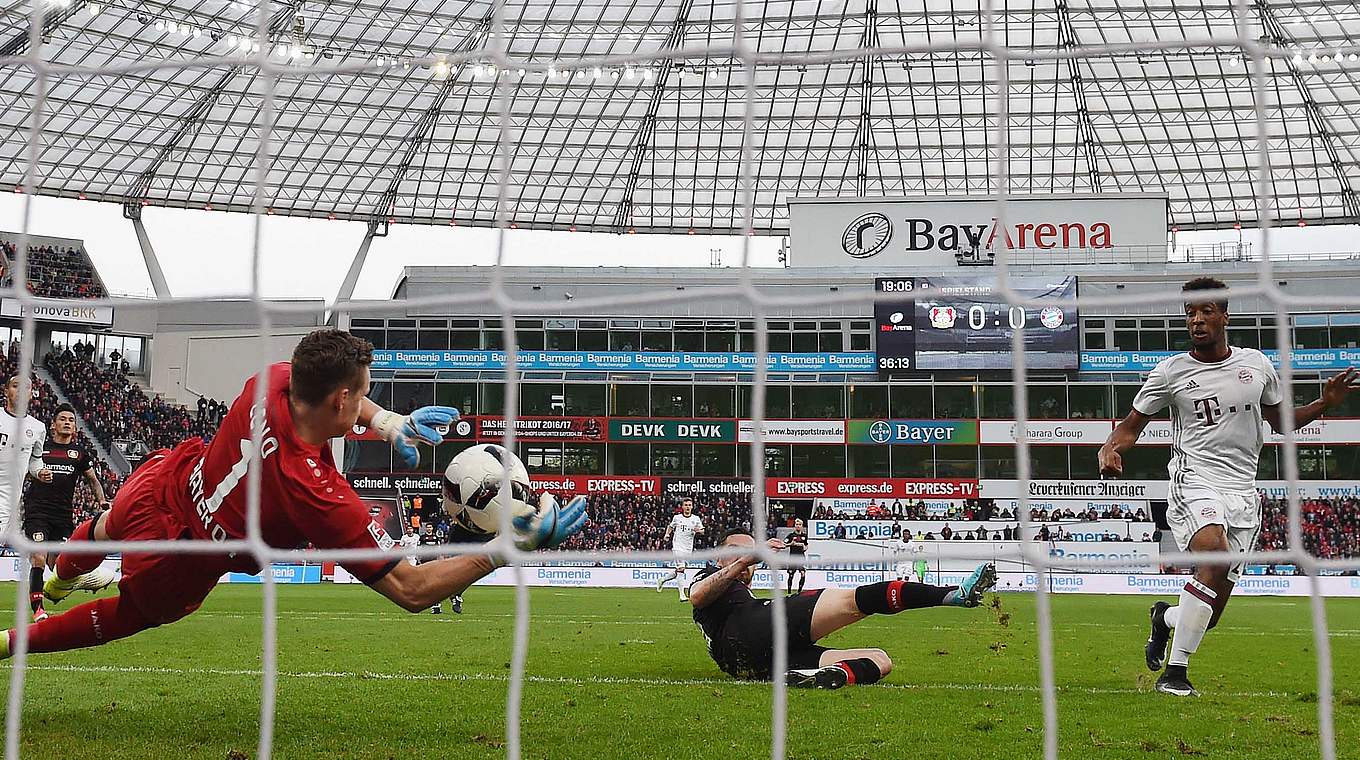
623 674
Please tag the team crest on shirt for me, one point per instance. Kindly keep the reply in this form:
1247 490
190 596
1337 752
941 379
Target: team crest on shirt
1246 376
73 453
1209 511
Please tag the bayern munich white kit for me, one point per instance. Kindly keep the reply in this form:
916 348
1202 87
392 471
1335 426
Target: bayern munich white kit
27 435
683 531
1217 434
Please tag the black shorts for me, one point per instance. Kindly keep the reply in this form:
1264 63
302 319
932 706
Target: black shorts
747 650
47 527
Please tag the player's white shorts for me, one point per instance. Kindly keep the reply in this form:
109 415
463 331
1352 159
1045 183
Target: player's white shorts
905 569
680 562
1193 507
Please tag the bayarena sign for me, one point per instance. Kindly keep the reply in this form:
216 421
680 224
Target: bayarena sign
953 231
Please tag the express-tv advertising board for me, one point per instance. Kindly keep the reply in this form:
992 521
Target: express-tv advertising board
967 323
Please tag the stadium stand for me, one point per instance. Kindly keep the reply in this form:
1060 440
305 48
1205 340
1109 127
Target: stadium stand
1331 527
115 407
638 523
54 272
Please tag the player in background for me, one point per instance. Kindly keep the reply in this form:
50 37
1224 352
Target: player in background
21 452
798 544
918 555
198 492
681 533
739 628
430 538
902 547
410 540
49 506
1218 396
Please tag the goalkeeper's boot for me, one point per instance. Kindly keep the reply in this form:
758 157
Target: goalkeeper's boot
56 589
437 610
1155 651
969 593
1176 682
829 677
660 584
457 604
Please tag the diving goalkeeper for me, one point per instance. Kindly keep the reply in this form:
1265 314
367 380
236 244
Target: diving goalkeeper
197 492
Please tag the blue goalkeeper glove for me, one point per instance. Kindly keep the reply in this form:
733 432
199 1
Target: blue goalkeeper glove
424 424
551 525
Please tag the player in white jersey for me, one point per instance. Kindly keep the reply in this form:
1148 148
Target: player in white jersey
409 541
21 452
903 550
1218 396
681 532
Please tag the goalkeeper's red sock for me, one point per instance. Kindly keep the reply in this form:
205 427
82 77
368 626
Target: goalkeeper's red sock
90 624
862 671
891 597
70 563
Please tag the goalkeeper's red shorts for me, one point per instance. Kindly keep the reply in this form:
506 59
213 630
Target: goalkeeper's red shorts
163 587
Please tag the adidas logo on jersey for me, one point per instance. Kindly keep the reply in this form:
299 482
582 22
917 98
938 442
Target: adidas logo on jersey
1192 385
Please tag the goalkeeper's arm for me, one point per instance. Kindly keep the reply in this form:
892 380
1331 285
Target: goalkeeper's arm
416 587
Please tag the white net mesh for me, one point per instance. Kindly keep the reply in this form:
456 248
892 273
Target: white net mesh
743 59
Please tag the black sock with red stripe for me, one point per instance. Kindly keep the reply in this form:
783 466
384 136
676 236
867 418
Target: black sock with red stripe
35 588
891 597
862 671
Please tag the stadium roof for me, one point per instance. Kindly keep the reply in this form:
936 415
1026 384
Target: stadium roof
623 144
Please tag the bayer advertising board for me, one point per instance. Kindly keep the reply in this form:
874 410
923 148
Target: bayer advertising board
950 232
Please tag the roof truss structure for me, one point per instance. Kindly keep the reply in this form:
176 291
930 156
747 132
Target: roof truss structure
630 113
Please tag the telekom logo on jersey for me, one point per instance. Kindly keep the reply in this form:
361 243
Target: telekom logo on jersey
208 507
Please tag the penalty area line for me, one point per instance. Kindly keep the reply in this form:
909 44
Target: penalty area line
600 680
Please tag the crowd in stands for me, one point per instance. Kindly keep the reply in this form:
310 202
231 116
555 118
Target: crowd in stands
628 522
973 509
53 272
115 407
1331 527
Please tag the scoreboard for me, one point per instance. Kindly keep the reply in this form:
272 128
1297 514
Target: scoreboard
965 323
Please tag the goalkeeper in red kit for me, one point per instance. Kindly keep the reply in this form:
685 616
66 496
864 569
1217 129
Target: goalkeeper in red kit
197 492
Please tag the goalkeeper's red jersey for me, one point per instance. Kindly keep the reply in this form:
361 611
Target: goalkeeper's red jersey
303 498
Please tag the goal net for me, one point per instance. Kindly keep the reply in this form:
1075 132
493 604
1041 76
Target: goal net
987 44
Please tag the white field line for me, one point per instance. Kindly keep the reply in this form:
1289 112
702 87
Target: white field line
597 680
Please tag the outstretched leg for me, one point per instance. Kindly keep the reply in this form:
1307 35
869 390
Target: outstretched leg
78 565
90 624
837 608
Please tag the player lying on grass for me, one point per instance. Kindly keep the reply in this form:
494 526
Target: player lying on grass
198 492
1218 396
740 628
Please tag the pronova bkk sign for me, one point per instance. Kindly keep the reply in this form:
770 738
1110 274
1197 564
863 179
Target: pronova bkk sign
54 310
949 231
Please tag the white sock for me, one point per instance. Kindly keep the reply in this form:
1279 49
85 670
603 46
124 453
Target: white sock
680 584
1171 616
1192 620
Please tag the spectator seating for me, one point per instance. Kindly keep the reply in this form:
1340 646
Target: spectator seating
54 272
638 523
1331 527
115 407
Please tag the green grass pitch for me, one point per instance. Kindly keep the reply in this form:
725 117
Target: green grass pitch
623 674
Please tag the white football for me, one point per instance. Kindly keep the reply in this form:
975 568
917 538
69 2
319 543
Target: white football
472 487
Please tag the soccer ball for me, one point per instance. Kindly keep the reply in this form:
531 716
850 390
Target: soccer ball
472 487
